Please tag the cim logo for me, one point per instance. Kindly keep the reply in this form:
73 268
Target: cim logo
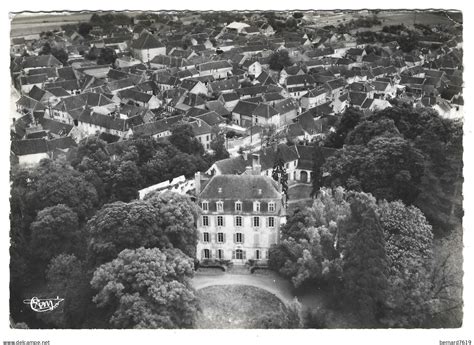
43 305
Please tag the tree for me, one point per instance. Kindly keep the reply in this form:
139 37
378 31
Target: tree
147 288
107 56
56 182
279 173
55 231
120 226
389 168
297 224
218 146
84 29
177 216
279 60
45 49
125 181
365 264
67 277
409 244
182 137
61 55
366 130
350 118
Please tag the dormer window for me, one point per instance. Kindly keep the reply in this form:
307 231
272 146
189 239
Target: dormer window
271 207
256 206
238 206
205 206
219 206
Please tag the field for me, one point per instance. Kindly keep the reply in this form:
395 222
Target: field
235 306
410 17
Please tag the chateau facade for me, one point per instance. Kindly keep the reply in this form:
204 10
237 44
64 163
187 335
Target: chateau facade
240 217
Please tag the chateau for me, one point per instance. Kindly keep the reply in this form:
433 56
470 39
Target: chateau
240 217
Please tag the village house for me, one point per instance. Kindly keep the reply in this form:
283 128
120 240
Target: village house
229 100
146 47
313 98
218 69
202 132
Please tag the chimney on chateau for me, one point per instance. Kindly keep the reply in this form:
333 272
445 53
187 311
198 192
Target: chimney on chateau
219 190
197 182
259 191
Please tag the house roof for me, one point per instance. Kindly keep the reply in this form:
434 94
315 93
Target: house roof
61 143
200 127
40 61
29 146
104 121
56 127
305 79
229 97
146 41
228 84
49 71
264 110
36 93
218 107
315 92
135 95
245 108
160 126
211 118
65 84
214 65
58 92
336 83
240 187
30 104
380 85
286 106
33 79
357 98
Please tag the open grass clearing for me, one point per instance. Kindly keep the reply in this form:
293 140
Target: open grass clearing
235 306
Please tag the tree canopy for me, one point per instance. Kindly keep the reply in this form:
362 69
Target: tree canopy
279 60
147 288
120 226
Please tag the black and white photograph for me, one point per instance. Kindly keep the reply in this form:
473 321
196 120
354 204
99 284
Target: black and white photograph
296 169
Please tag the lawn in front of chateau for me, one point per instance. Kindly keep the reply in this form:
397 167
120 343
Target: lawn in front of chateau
235 306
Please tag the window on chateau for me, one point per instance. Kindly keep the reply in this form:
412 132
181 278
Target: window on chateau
256 222
205 237
238 206
239 254
207 254
256 206
258 255
271 207
220 237
220 206
271 222
239 238
220 221
205 206
220 254
205 220
238 220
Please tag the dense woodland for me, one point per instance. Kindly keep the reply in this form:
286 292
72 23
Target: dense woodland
382 235
70 220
